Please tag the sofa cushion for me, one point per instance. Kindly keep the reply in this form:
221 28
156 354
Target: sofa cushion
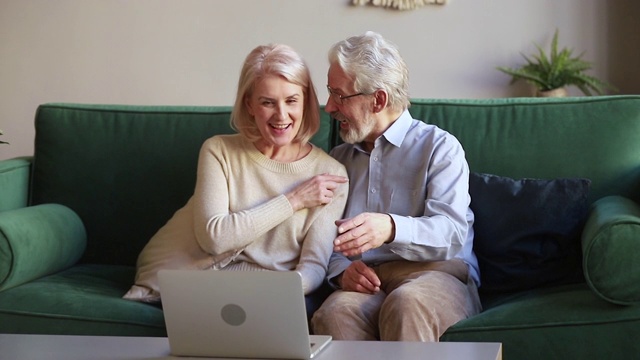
563 322
85 299
611 250
527 231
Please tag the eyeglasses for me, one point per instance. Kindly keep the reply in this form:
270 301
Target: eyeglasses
339 99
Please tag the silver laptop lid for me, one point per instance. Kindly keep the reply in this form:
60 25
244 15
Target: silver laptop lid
251 314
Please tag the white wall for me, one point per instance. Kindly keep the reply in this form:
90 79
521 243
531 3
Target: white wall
189 52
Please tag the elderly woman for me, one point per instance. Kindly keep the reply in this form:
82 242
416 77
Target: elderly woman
265 198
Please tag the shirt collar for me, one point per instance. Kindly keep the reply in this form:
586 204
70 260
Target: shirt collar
396 133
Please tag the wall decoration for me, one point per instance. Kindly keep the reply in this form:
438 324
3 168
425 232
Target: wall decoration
400 4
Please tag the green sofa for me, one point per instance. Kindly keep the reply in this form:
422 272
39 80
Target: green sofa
104 178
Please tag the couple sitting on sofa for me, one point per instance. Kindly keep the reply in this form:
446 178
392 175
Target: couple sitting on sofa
398 250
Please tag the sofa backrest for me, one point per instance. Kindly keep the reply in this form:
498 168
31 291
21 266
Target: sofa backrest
123 169
126 169
591 137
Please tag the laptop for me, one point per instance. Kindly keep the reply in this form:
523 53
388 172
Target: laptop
247 314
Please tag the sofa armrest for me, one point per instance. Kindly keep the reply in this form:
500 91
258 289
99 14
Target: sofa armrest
611 250
14 183
37 241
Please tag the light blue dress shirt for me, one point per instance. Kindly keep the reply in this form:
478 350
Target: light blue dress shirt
417 173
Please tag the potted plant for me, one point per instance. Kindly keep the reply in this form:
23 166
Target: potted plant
550 75
2 142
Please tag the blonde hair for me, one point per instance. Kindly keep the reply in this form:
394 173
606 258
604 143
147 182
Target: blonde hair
280 60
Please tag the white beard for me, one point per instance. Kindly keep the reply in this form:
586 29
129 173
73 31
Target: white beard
354 134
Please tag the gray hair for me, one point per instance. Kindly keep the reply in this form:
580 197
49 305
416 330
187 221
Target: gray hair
374 63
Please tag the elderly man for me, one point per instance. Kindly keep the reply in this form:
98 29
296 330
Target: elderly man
403 263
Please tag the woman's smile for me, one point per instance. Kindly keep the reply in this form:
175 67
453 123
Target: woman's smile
280 126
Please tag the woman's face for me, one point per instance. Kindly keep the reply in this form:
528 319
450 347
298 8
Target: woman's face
278 107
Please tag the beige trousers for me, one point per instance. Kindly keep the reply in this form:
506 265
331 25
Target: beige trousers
417 302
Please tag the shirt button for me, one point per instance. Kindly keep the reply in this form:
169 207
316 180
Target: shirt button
373 191
375 158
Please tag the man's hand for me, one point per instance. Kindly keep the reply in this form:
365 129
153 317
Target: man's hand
360 278
363 232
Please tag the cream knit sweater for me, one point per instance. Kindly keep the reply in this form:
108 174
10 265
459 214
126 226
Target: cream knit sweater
239 218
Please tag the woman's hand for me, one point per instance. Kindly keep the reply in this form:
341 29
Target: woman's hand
318 190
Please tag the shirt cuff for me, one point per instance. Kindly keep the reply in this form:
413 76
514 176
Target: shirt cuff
403 233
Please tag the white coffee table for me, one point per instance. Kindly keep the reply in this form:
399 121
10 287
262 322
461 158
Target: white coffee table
65 347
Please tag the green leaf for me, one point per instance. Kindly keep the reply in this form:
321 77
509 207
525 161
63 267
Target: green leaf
556 69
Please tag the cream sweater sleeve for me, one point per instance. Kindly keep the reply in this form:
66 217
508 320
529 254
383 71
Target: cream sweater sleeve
318 243
216 229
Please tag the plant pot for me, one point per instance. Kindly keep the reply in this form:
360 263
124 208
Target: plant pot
559 92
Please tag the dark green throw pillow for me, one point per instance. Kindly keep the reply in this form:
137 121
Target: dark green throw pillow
527 231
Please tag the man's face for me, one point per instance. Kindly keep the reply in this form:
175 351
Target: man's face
354 113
